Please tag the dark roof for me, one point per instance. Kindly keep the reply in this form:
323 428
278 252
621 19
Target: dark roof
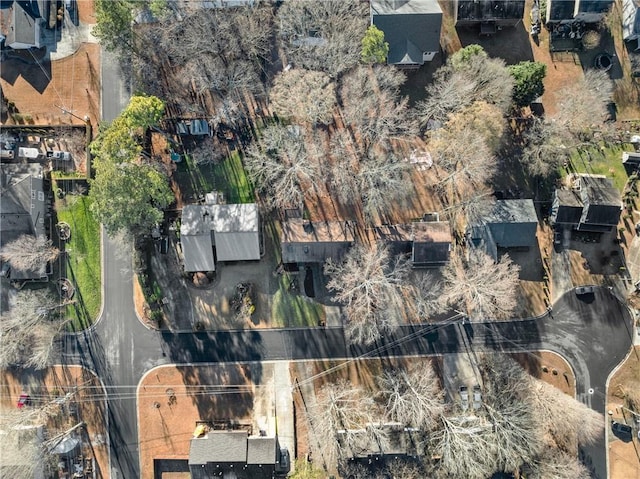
430 253
597 190
561 9
262 450
511 211
490 9
569 198
411 27
315 242
219 447
567 207
22 203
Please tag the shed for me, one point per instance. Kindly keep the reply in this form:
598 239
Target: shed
199 128
315 242
411 27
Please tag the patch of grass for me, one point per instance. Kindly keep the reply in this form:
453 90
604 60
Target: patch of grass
602 160
228 176
293 310
83 267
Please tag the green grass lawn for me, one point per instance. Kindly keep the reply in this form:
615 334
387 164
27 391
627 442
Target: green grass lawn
228 176
294 310
83 265
604 160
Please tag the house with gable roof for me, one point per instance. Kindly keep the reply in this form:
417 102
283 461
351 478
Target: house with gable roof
411 28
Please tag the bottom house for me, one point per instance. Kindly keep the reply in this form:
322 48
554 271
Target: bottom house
235 454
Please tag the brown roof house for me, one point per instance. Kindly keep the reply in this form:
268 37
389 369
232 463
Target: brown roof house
591 204
315 242
212 232
24 210
235 454
427 242
411 28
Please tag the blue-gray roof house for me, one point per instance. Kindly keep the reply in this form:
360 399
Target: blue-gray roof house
411 28
508 224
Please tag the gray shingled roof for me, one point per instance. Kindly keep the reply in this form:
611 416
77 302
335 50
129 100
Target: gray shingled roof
219 447
23 27
411 27
261 450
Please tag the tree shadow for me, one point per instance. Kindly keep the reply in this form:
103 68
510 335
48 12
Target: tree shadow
512 44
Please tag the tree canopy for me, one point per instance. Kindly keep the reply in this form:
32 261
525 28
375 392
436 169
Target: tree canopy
128 194
374 48
528 77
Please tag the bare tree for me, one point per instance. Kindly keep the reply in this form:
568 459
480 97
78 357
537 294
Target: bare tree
323 36
583 106
567 422
340 417
483 288
463 81
281 163
546 146
557 464
305 95
371 107
29 253
29 329
373 288
412 396
464 446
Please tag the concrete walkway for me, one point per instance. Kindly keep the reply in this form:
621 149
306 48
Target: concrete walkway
284 407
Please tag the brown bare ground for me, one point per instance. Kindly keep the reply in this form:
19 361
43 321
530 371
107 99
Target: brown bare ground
87 11
558 371
165 429
74 85
624 458
48 384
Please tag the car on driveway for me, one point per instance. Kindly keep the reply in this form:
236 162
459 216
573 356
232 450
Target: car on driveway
582 290
464 396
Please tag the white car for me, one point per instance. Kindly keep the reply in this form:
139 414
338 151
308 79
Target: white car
59 155
464 396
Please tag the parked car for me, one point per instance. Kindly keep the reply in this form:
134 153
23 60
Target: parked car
622 429
581 290
23 400
464 396
477 397
59 155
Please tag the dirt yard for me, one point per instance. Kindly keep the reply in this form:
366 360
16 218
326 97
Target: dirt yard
624 457
89 403
171 399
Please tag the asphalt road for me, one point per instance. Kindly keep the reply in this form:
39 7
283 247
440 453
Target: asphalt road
594 333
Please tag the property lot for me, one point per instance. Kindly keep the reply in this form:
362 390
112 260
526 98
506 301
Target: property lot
172 399
86 404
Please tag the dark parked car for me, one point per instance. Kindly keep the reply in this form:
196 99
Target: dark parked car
622 429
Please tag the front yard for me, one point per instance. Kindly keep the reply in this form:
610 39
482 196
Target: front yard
80 260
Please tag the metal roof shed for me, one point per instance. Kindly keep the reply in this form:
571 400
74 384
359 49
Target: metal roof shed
236 231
